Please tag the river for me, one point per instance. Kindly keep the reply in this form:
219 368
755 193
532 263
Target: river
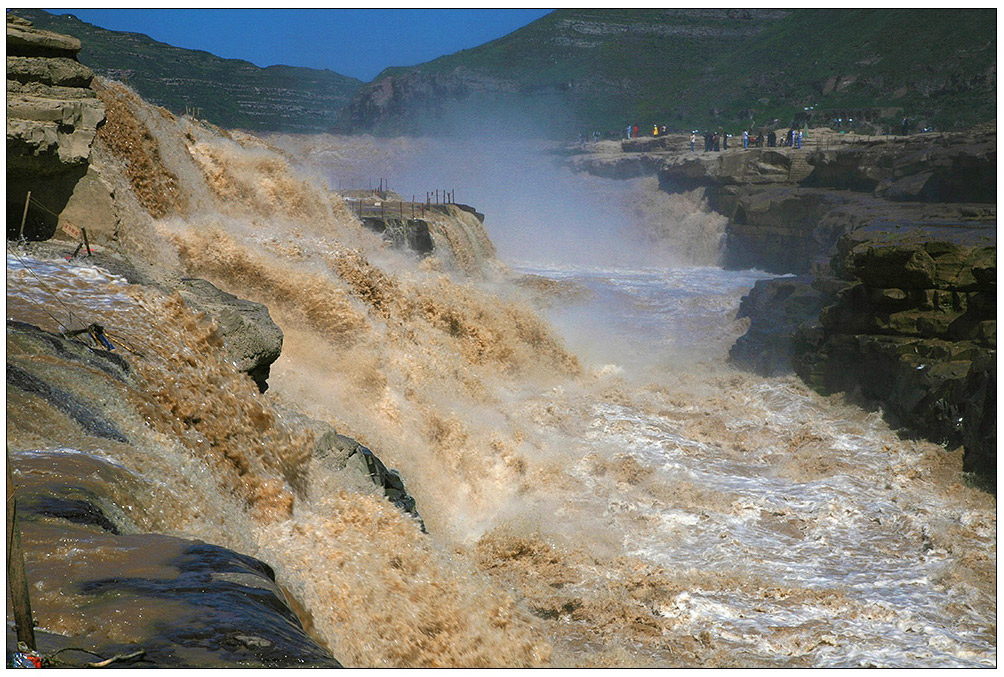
806 527
600 487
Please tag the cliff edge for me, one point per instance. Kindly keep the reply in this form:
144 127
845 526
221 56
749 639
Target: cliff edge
53 115
888 247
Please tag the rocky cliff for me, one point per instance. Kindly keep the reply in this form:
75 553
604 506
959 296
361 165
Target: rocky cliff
914 329
98 431
52 117
892 243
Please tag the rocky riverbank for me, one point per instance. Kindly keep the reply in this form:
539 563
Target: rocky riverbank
224 608
892 242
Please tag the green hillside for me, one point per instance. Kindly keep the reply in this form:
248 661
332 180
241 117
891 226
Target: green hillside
728 68
582 70
228 92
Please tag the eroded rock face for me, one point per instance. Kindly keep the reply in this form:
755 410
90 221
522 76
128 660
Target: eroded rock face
914 329
52 118
72 408
777 307
178 602
930 168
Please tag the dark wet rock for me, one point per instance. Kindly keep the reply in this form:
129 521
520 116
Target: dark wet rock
92 422
182 602
58 370
345 454
76 510
776 308
470 210
915 331
236 613
251 339
410 234
69 349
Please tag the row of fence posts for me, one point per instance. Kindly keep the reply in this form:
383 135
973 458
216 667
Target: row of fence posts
66 227
432 198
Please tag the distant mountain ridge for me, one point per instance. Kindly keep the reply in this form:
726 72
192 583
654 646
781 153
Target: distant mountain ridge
579 70
582 70
230 93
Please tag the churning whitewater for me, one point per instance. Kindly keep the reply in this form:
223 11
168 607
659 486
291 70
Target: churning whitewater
600 487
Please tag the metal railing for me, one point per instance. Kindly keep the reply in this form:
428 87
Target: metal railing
377 205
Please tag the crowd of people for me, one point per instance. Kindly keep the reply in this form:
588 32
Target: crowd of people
713 141
718 141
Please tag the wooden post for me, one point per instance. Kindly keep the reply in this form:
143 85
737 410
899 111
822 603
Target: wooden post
86 243
17 580
24 215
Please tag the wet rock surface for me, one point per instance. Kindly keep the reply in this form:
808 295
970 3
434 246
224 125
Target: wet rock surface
914 329
412 234
777 307
357 466
183 602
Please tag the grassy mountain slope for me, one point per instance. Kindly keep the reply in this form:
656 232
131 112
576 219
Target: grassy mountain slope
579 70
722 68
228 92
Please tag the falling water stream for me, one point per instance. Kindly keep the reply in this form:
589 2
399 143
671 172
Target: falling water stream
601 488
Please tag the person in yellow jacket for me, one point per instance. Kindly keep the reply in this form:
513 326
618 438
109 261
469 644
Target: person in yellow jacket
655 130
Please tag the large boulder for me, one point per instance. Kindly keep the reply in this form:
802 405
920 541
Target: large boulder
251 339
344 454
354 467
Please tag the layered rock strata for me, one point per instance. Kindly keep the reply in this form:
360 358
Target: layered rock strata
52 118
914 329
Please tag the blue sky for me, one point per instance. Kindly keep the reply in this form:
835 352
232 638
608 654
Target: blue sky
355 42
